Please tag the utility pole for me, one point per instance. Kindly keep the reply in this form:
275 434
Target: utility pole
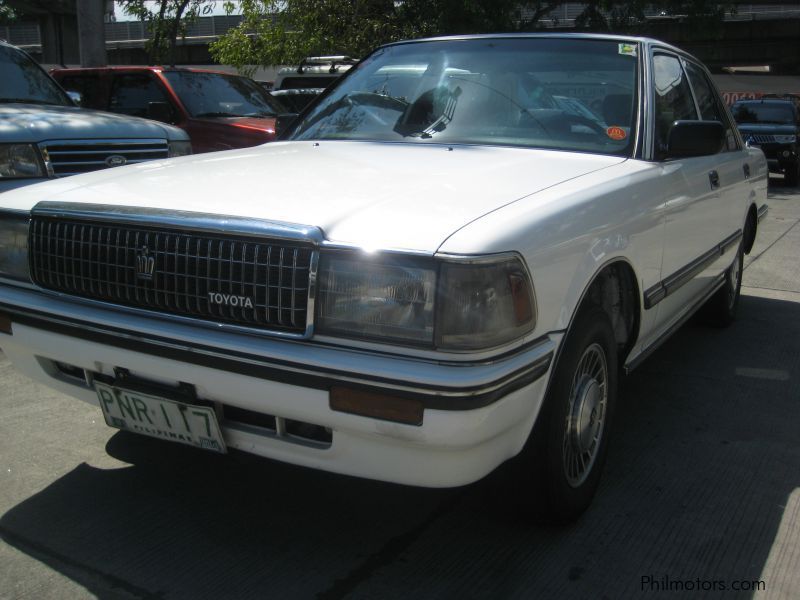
92 32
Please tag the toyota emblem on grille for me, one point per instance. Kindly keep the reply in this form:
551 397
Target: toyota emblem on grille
116 160
145 264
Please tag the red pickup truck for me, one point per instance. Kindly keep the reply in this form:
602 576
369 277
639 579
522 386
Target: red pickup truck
218 110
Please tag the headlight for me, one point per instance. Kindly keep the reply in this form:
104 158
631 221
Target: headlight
475 304
14 246
484 304
179 149
20 160
785 139
389 300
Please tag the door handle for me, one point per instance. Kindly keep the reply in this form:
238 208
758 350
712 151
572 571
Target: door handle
713 177
746 169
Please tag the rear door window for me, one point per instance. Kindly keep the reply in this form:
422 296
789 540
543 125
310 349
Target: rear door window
709 103
90 87
674 100
132 93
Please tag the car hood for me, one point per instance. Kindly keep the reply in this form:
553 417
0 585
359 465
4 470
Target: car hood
371 195
767 129
34 123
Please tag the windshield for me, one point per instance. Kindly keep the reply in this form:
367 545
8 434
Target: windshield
217 95
757 112
565 94
24 81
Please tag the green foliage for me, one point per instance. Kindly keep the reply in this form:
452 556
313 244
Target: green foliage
7 14
284 31
275 32
166 20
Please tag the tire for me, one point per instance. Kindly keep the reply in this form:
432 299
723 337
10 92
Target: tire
720 311
578 415
791 175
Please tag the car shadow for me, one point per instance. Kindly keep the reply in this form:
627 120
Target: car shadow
702 464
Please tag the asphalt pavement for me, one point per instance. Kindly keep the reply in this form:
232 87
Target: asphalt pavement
700 496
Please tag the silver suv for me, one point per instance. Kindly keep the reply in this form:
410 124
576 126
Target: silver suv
43 134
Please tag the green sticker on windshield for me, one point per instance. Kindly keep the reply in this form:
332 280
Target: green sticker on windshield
627 49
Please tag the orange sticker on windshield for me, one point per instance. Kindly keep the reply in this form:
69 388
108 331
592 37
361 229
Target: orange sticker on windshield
616 133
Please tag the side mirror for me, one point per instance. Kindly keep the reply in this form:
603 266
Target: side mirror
76 97
695 138
160 111
283 121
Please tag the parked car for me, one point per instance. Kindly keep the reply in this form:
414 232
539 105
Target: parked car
218 110
438 279
772 124
43 135
313 72
295 100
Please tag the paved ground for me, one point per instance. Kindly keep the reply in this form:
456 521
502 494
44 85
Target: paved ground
702 490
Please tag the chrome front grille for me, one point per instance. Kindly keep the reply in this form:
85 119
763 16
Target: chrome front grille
225 279
760 138
72 157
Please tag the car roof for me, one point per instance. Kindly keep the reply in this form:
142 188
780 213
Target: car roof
645 41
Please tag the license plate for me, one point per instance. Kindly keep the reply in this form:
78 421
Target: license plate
160 417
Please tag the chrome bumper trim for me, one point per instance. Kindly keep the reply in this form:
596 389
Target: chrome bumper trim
442 384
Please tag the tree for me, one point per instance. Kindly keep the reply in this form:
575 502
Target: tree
7 14
284 31
276 32
166 20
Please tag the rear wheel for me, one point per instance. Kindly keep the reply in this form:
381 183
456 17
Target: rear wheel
721 308
577 417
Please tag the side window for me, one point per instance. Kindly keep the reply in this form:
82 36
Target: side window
710 106
674 100
132 93
89 87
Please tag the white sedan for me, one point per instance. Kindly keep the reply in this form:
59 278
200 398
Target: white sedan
452 256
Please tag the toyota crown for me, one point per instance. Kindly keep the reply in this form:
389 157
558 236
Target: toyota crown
464 244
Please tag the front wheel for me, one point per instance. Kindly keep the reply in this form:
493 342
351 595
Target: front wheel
578 415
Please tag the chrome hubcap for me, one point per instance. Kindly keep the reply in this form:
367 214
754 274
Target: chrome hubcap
586 415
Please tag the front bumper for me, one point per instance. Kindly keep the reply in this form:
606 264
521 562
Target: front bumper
779 156
476 413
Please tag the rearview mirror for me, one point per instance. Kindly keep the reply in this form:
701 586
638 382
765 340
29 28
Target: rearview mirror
76 97
695 138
